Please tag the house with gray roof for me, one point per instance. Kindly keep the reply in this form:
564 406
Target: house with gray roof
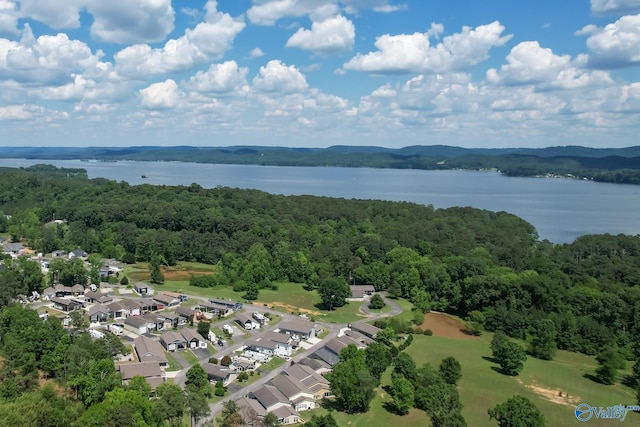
166 300
303 329
192 338
150 371
136 324
246 321
272 400
66 304
299 396
173 341
365 329
217 373
361 292
149 350
98 313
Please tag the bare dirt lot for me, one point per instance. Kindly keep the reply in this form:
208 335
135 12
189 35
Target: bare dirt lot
443 325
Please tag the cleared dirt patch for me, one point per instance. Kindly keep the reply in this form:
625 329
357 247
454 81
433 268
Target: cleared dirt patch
289 308
443 325
558 397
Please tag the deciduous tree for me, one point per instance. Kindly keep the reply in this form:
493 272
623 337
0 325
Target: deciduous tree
517 411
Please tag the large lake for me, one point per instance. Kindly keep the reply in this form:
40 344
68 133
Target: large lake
560 209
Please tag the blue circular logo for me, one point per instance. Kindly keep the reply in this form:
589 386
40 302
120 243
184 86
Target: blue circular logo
583 412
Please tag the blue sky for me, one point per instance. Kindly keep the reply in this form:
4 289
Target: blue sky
315 73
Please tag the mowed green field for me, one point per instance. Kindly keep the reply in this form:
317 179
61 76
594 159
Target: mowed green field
481 387
290 297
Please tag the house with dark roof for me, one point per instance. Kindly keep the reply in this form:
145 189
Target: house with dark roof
98 313
78 253
13 249
154 323
150 371
217 373
59 254
173 341
170 319
130 307
192 338
262 346
360 292
185 315
166 300
233 305
181 297
65 304
215 308
141 288
136 324
149 350
299 396
310 379
272 400
116 311
246 321
365 329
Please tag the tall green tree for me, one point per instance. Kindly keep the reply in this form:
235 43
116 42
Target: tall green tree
334 292
518 411
450 370
196 403
543 341
154 269
352 383
511 358
402 391
170 404
609 362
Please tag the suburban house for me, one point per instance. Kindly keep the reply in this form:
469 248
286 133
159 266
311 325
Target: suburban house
265 347
141 288
98 313
193 338
154 323
147 305
358 337
92 296
215 308
303 329
59 254
310 379
235 306
319 366
170 319
284 344
66 305
151 371
331 350
360 292
242 364
300 398
136 324
78 253
217 373
166 300
185 315
246 321
173 341
13 249
149 350
272 400
116 311
131 307
181 297
365 329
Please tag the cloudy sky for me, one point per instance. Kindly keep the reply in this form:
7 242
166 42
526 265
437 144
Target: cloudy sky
315 73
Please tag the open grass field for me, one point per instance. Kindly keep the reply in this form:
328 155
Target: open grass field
482 387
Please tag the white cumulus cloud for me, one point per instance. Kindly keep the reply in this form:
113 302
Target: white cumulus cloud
413 53
529 63
602 7
124 21
256 53
160 96
209 40
8 17
330 36
615 45
278 77
45 60
219 78
56 14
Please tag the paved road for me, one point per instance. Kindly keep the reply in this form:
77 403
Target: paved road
395 308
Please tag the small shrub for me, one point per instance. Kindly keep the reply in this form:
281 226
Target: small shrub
213 360
427 332
219 392
124 281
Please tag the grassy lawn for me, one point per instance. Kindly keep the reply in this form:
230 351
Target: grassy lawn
481 387
173 363
272 364
191 358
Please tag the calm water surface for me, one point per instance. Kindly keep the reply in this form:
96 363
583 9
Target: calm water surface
560 209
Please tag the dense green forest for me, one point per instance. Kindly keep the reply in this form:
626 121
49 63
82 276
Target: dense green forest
487 265
617 165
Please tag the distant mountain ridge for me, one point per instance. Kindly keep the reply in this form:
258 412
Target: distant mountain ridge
618 165
445 151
